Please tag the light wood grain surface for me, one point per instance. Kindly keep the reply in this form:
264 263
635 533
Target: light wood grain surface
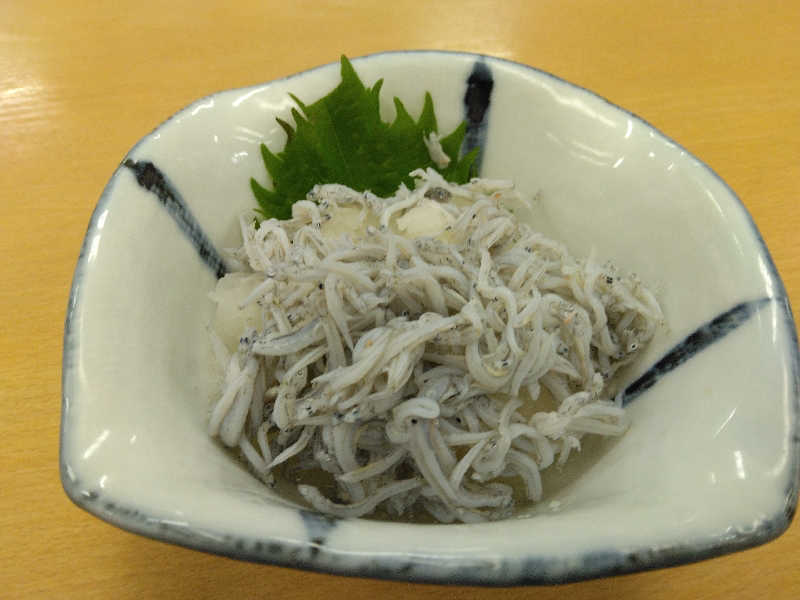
80 83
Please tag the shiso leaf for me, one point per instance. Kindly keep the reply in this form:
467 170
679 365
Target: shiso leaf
341 138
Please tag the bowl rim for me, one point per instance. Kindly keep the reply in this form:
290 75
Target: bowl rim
314 556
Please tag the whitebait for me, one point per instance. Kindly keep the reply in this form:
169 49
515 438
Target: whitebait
420 371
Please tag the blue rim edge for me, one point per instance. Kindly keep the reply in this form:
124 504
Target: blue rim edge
313 556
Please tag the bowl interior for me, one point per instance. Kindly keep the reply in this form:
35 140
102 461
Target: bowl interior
709 464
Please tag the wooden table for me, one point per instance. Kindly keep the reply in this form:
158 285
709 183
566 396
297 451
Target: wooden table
80 83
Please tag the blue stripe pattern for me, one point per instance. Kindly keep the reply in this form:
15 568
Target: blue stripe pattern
700 339
477 99
153 180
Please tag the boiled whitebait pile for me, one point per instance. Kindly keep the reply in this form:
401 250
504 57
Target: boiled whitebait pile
423 351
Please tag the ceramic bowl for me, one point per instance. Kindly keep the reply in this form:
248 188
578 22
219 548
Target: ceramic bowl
709 465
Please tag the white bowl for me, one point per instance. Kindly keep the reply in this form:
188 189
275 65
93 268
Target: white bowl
709 466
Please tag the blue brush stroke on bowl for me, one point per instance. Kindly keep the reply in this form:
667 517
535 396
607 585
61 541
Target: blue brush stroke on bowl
152 179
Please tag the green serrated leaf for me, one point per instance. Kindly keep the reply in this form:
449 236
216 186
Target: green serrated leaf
271 161
451 144
287 128
341 138
427 120
269 203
